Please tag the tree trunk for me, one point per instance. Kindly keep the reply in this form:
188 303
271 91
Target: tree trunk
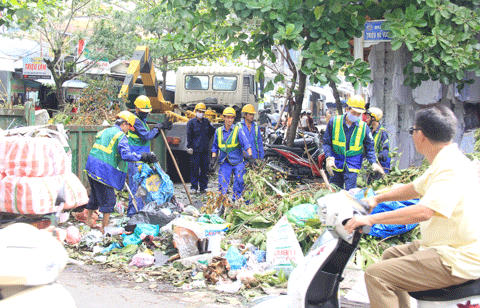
60 97
338 103
164 83
292 130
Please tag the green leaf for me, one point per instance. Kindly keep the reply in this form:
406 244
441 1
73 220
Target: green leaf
319 11
396 44
289 29
337 7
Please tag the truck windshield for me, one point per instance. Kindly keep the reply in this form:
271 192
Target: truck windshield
196 82
224 83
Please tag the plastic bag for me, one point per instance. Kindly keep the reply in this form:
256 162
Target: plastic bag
186 242
233 287
211 219
153 214
383 231
201 230
142 260
134 238
73 235
235 258
156 184
283 248
301 213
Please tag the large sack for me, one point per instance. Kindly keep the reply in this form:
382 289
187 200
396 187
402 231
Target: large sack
28 195
75 192
33 157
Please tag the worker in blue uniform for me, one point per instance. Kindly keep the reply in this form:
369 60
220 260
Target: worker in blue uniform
229 142
139 141
252 132
345 141
380 138
106 166
199 133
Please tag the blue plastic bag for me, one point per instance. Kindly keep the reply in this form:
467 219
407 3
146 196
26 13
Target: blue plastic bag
135 239
235 258
260 254
155 182
383 231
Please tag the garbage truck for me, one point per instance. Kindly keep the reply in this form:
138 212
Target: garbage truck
216 86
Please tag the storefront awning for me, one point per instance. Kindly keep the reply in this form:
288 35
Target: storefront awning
6 65
74 84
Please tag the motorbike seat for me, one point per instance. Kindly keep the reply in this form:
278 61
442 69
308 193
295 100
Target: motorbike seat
469 288
300 143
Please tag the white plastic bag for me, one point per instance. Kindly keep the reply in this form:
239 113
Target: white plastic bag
283 248
142 260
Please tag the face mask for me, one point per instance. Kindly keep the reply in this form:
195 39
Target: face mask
352 118
142 115
200 115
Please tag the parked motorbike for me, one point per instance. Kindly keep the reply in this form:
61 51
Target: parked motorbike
314 283
297 161
32 260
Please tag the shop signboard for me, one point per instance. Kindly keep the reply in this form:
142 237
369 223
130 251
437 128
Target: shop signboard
35 68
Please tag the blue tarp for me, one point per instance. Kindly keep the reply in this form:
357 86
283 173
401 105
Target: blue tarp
157 183
383 231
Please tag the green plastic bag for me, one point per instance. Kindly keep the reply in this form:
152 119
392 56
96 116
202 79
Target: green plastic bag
211 219
301 213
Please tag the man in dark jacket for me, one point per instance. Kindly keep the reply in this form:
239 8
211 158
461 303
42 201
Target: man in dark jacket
199 133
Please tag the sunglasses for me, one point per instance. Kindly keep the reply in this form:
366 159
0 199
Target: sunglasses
412 129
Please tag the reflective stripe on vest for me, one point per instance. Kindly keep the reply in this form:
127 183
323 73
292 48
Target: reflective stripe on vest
378 138
231 143
339 138
134 139
256 135
107 149
339 142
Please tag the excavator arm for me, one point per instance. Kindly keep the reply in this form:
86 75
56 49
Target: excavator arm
142 64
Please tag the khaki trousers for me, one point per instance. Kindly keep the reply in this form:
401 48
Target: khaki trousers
406 269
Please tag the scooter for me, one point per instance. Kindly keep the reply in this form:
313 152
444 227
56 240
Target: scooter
314 283
31 261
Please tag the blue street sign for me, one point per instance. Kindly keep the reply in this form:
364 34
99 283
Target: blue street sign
374 32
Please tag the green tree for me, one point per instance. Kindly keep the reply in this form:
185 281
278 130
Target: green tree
23 14
61 30
319 29
172 42
442 36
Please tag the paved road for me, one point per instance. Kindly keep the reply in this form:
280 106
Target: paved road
92 288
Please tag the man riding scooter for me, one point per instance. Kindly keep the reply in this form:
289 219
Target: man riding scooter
448 253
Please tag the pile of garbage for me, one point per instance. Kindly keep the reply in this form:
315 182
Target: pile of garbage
251 250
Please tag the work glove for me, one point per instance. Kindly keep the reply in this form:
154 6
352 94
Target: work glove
251 161
377 168
190 151
148 158
330 165
213 162
165 125
382 157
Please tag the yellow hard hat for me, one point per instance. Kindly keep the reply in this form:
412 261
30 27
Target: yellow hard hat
229 111
248 109
376 113
357 103
200 107
127 116
143 103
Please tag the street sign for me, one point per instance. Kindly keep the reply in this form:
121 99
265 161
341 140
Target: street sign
374 32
